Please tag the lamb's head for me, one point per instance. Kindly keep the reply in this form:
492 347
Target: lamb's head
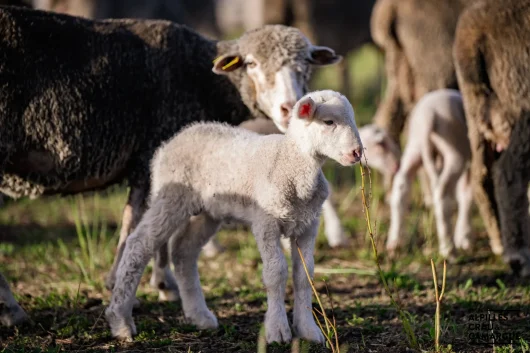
381 151
271 66
323 123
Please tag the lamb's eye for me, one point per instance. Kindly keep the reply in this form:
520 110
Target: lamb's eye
251 64
328 122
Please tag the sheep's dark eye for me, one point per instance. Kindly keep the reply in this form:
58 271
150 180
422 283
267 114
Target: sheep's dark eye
328 122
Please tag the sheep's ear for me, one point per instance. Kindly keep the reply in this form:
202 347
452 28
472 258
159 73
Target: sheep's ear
322 56
306 108
227 63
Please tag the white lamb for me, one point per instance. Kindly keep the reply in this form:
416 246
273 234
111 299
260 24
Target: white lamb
437 128
274 183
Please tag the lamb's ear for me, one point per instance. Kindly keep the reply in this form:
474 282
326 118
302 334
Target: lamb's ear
306 109
227 63
322 56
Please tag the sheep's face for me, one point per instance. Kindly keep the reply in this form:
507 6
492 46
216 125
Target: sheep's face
380 150
275 64
325 123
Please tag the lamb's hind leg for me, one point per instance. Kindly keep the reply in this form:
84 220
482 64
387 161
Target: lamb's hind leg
399 201
464 197
185 250
303 322
152 232
443 191
10 311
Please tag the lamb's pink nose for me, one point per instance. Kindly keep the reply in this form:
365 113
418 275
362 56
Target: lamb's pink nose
357 154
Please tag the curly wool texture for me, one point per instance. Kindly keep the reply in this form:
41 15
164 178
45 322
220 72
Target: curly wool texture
84 104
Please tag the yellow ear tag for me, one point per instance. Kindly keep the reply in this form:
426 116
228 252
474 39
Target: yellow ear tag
231 63
217 59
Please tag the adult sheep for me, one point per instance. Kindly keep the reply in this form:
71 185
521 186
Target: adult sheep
413 34
84 104
492 61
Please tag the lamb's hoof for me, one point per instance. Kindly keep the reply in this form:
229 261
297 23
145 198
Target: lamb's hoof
338 241
464 244
121 326
12 315
212 249
335 235
168 295
166 284
309 330
278 330
204 320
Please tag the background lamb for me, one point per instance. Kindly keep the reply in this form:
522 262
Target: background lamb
437 127
274 183
492 62
72 120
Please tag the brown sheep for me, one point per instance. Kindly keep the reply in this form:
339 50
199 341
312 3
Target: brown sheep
417 37
492 59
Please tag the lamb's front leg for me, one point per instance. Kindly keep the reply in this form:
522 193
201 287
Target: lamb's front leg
303 322
275 272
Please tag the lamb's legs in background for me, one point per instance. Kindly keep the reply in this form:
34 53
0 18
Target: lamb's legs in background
162 278
443 191
303 322
332 225
212 248
185 250
332 228
399 200
425 186
464 197
155 229
10 311
275 273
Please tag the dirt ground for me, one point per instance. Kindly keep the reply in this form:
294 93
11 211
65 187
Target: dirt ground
60 284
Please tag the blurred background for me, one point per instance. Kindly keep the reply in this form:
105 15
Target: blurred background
343 25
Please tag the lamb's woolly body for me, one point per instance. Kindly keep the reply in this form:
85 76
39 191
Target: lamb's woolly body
252 175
